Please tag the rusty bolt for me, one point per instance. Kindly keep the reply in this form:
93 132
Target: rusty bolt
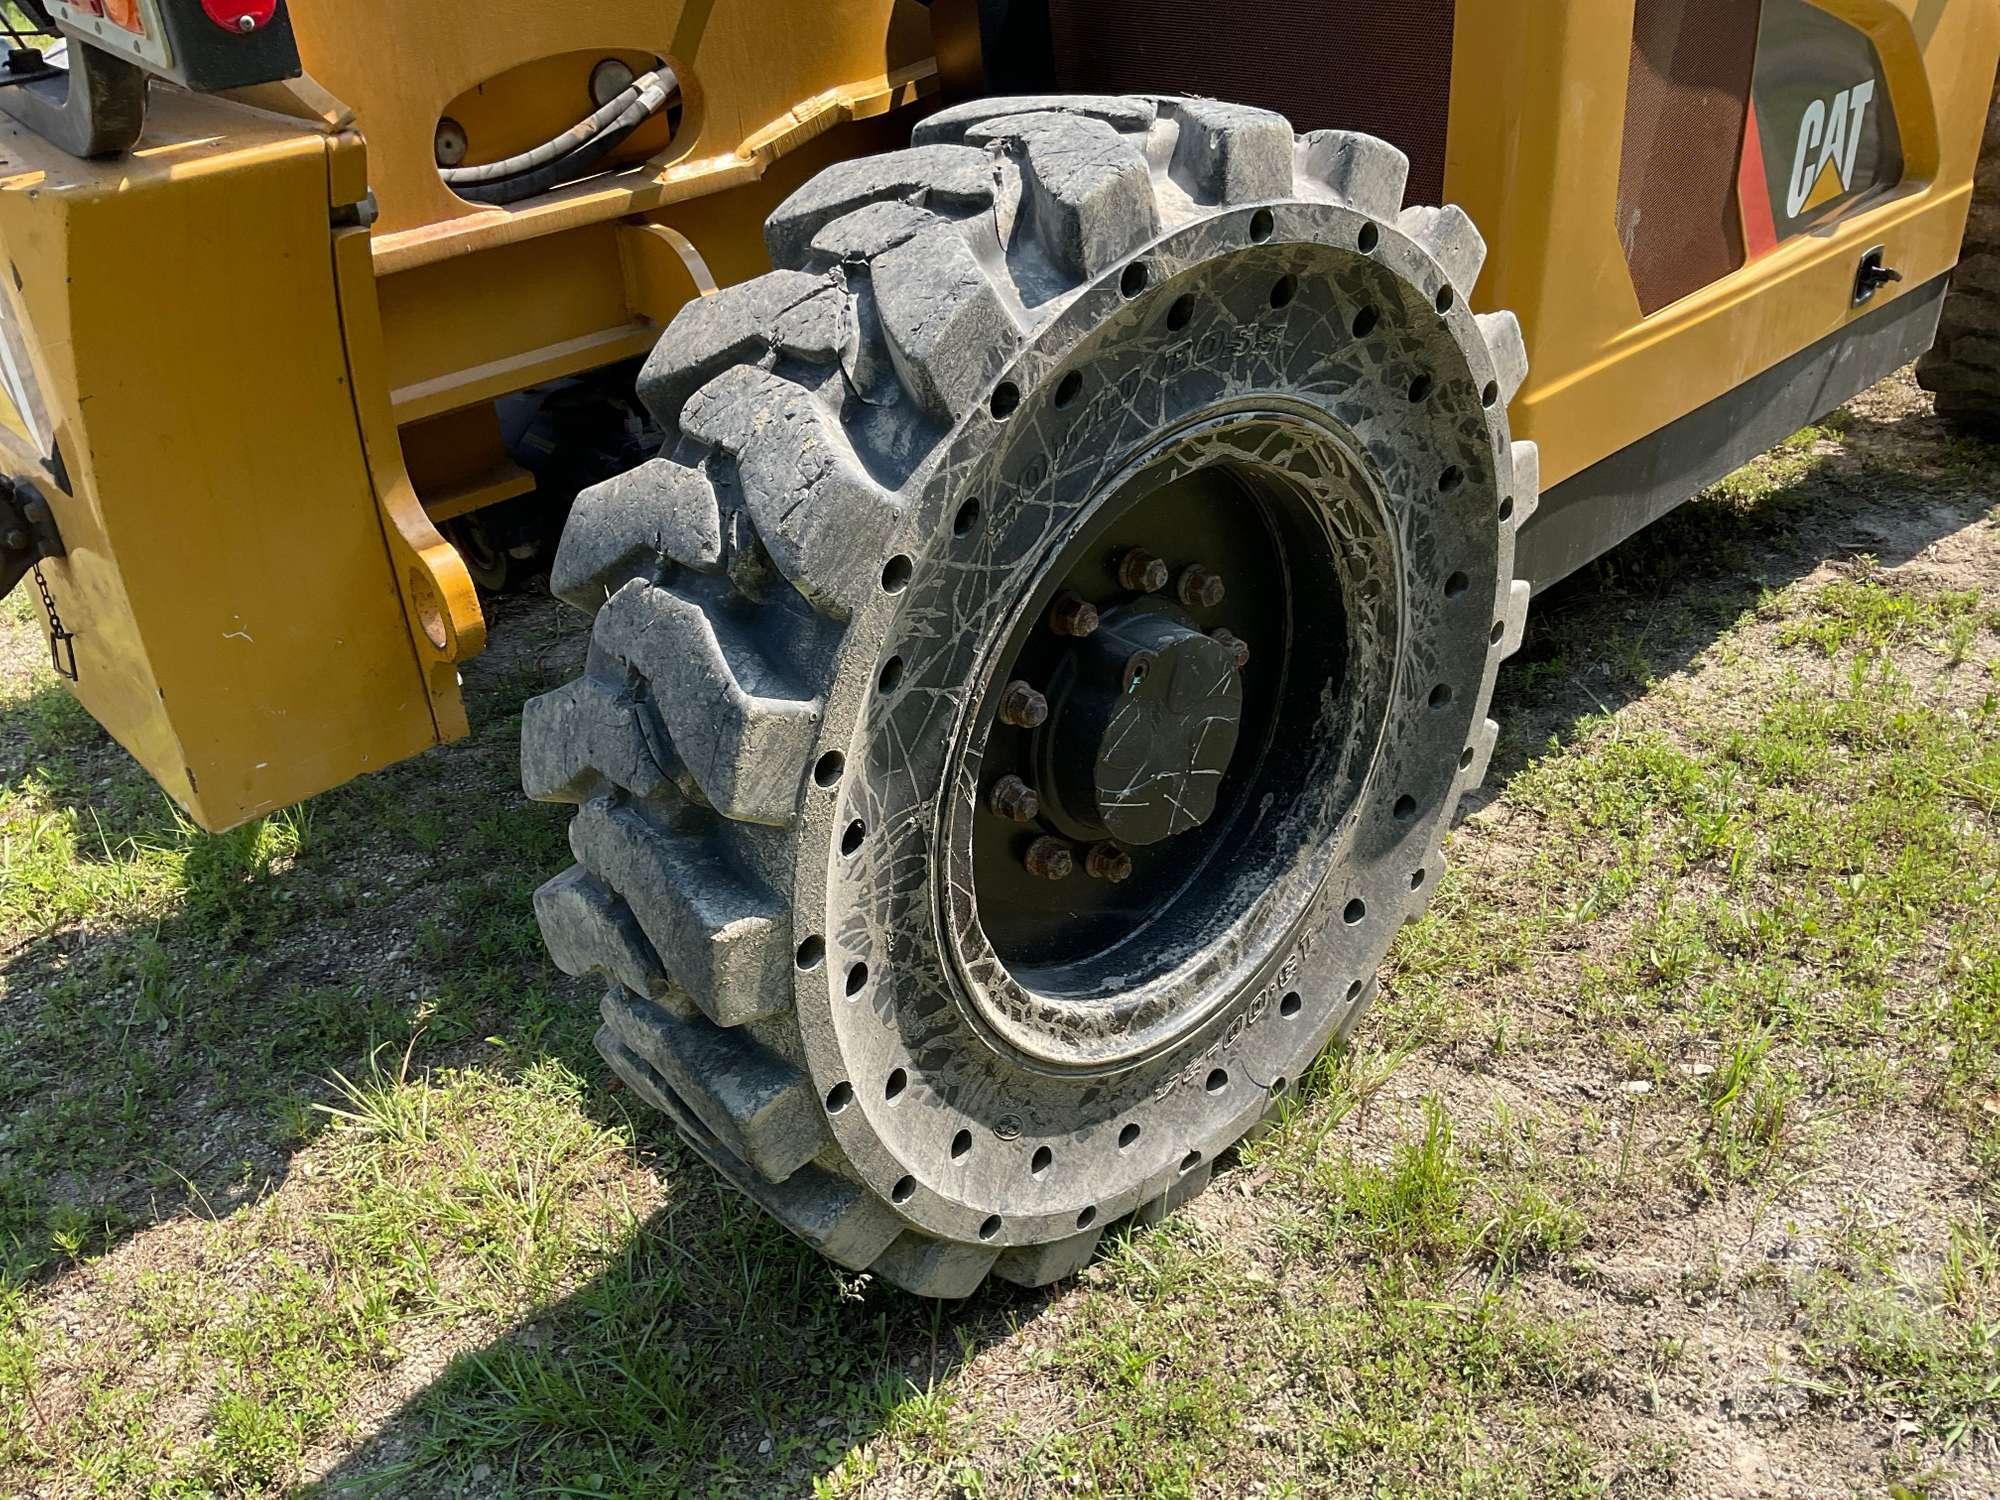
1014 800
1050 859
1073 615
1141 572
1023 707
1108 862
1239 648
1199 587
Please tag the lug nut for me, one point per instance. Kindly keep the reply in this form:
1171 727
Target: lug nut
1199 587
1050 859
1108 862
1073 615
1141 572
1023 707
1014 800
1239 648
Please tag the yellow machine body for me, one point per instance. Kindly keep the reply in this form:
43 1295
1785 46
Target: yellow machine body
1538 102
269 340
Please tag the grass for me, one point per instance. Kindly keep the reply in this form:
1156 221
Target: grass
1685 1090
1886 1333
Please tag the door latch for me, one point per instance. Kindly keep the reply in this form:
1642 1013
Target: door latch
1873 275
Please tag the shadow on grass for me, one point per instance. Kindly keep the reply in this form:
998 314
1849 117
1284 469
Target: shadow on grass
714 1352
1606 635
172 1003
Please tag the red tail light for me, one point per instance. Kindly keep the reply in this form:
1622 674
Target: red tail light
241 15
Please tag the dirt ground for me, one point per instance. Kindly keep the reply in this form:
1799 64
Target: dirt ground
1668 1163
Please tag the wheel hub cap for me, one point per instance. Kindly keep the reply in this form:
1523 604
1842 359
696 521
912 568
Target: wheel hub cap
1142 728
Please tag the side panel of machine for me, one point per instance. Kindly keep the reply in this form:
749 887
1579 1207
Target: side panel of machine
1539 108
238 625
1677 194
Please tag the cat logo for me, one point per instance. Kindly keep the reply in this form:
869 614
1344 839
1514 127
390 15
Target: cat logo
1829 140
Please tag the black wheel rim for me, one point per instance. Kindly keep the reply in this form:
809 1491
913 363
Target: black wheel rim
1278 507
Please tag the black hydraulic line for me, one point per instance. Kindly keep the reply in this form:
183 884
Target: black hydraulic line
563 169
570 154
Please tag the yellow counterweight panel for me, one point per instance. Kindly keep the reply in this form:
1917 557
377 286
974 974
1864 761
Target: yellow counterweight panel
239 625
1538 109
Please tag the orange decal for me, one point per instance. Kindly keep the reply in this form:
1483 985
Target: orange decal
125 13
1753 192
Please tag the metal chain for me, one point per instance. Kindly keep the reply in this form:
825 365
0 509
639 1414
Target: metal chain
62 643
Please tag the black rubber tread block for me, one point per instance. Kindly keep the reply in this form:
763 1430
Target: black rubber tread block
822 519
590 930
1962 369
831 1214
1231 153
1361 171
582 735
634 526
757 1105
1190 1182
855 239
947 329
732 718
1450 238
1041 1265
1527 459
787 313
935 1268
1088 190
949 126
1502 332
718 936
949 179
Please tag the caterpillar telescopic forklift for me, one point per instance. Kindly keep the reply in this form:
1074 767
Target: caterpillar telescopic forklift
1052 488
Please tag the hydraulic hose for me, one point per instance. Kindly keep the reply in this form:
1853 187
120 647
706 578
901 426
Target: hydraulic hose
570 154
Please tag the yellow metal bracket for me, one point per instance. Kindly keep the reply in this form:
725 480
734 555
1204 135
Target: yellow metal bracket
446 624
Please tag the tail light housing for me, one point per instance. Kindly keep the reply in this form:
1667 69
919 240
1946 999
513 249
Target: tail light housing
204 45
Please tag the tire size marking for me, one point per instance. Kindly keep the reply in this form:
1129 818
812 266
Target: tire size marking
1253 1013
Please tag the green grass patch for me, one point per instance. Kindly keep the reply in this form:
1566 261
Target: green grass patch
1866 613
1893 1332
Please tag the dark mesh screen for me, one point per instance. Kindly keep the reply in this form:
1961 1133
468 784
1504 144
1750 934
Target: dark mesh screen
1688 98
1382 66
